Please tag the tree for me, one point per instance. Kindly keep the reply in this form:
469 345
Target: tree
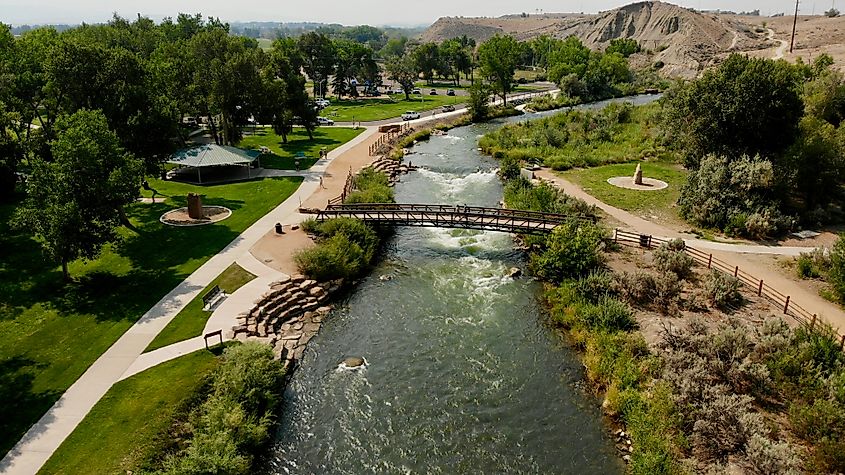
498 59
74 203
479 101
427 60
319 58
394 47
814 165
402 69
456 58
569 57
746 106
624 46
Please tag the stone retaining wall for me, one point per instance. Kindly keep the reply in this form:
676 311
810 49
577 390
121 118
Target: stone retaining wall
287 316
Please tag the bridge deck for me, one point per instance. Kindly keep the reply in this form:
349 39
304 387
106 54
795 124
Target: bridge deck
447 216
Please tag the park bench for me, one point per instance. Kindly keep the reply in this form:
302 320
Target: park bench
212 297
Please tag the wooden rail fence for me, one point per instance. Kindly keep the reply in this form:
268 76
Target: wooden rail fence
759 286
388 136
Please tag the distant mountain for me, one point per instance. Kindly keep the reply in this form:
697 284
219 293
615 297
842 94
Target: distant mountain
686 41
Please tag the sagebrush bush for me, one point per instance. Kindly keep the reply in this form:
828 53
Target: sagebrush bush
670 257
636 288
595 286
722 290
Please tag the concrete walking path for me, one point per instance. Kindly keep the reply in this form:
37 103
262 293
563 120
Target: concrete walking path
125 357
733 254
45 436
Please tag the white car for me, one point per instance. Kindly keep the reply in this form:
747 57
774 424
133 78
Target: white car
324 121
322 102
410 115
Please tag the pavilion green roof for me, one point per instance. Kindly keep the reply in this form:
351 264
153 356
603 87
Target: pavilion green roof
212 155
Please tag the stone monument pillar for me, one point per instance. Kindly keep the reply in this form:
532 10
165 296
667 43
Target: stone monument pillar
195 206
638 175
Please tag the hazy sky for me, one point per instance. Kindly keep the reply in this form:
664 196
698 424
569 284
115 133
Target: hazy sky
348 12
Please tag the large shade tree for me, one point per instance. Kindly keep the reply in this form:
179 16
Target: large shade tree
746 106
498 58
74 202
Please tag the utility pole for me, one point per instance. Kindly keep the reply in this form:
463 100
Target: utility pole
794 26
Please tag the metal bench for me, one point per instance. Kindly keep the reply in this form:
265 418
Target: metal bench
212 297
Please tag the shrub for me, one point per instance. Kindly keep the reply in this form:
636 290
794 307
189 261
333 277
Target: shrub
233 424
596 286
608 315
670 257
722 289
334 258
573 250
636 288
766 456
813 264
836 275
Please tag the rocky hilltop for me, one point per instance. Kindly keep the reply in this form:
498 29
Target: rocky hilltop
686 41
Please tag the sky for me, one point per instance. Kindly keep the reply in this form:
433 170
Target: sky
347 12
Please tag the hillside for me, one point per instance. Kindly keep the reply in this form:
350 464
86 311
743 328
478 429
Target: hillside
684 40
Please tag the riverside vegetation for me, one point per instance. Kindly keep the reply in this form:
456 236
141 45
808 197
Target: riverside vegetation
761 397
762 140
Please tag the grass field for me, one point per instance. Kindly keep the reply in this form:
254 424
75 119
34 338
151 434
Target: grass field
124 428
284 153
265 44
50 331
368 110
191 321
651 203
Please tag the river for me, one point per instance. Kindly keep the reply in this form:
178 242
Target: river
463 373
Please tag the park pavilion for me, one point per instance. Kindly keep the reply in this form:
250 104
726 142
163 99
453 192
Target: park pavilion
219 163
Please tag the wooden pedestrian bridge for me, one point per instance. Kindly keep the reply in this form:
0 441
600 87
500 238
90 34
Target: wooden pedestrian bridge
448 216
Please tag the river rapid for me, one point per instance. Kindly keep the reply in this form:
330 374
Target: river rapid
463 373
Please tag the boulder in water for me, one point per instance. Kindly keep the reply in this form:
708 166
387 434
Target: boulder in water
354 362
514 272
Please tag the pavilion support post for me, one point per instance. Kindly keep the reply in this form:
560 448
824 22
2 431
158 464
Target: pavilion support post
199 175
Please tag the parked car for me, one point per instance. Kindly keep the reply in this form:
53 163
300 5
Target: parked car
323 103
450 92
449 108
433 92
410 115
416 91
397 90
324 121
190 122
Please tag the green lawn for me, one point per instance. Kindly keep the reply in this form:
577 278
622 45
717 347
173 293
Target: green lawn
191 321
265 43
50 332
368 110
283 154
125 428
658 203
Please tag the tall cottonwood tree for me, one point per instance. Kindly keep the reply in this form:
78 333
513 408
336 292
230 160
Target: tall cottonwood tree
498 58
74 202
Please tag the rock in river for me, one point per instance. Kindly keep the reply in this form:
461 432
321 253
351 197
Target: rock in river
354 362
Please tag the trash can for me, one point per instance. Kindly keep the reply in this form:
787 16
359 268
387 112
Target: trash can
279 228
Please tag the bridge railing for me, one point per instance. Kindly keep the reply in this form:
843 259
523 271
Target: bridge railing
758 286
457 209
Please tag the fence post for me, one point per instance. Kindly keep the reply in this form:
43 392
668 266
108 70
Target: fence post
710 261
813 322
786 306
842 344
616 235
760 289
736 272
